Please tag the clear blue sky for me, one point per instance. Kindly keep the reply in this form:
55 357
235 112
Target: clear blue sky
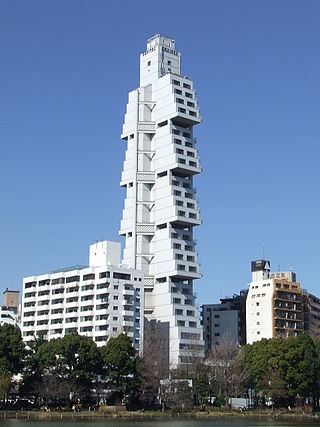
66 68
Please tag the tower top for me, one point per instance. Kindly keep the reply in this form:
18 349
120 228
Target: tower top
159 59
162 40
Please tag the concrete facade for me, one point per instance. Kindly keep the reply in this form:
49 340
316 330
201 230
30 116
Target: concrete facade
161 209
99 301
274 304
311 314
226 320
10 309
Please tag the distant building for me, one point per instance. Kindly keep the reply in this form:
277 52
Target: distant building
311 314
274 304
227 319
9 311
99 301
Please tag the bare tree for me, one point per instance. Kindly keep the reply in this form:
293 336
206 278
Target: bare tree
155 363
228 370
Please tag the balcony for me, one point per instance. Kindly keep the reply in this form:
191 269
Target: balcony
73 324
29 328
101 322
43 298
41 328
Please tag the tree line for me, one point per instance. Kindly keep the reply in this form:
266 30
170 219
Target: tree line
60 372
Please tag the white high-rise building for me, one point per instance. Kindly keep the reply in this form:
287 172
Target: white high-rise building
99 301
161 209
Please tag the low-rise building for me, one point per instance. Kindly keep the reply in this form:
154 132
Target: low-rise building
10 310
99 301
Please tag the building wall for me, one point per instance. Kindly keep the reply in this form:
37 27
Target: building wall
220 323
274 308
9 316
311 305
259 312
98 302
11 299
161 209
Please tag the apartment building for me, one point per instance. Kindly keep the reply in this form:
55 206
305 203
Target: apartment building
100 300
225 321
161 208
311 314
274 304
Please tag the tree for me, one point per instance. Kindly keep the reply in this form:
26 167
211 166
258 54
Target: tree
201 386
5 384
294 360
302 366
69 365
176 394
123 369
229 371
33 370
155 363
274 386
11 350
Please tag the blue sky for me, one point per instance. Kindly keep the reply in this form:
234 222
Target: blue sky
66 68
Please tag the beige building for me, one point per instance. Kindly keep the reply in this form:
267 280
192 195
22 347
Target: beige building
274 304
11 299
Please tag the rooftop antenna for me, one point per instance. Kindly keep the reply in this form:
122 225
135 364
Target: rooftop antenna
278 268
290 268
263 254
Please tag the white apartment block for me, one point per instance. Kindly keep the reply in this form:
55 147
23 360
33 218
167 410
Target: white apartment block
274 304
99 301
8 316
161 209
10 309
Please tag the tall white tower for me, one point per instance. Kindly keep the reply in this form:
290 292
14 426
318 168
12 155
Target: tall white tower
161 208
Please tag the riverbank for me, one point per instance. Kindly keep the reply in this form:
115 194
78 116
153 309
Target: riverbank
153 415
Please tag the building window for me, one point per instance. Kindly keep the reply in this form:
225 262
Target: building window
149 63
122 276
